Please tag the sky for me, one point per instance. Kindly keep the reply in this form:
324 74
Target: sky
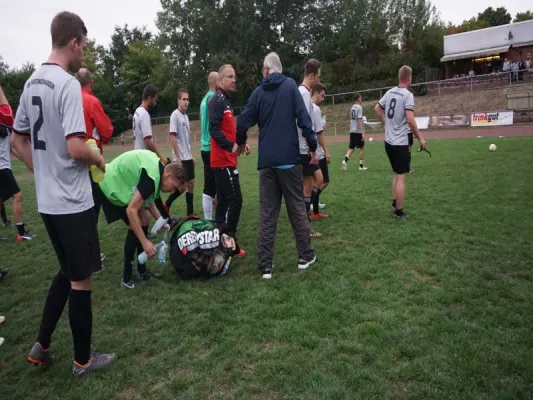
25 27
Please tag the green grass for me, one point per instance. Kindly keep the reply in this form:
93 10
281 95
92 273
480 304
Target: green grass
436 307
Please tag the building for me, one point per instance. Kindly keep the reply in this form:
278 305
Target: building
485 50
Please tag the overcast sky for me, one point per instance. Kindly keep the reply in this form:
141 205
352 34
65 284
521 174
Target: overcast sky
25 24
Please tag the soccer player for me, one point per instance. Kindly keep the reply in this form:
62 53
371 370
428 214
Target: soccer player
321 176
309 160
51 114
8 185
396 110
224 152
210 190
131 185
142 125
357 138
180 139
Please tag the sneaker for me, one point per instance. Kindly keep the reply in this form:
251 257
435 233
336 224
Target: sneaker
97 361
39 356
316 216
399 214
363 168
8 224
102 257
3 272
321 206
146 276
267 274
26 236
127 285
304 264
344 166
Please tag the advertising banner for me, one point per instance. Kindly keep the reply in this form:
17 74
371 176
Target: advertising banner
492 118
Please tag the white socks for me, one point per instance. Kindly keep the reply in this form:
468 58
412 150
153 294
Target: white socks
207 203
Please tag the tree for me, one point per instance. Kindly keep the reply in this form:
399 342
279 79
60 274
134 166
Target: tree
495 17
523 16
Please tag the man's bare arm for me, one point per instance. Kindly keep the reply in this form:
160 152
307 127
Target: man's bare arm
21 147
379 113
174 143
411 121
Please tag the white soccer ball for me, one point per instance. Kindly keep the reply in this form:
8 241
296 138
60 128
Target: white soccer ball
492 147
371 139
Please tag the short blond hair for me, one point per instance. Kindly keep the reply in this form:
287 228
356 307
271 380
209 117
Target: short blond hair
176 170
405 73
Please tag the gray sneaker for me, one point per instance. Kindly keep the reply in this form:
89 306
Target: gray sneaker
96 362
304 264
127 285
39 356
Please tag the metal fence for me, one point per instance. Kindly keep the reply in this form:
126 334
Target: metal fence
433 88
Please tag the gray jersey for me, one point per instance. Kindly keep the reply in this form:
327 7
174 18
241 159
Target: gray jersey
318 126
179 126
5 150
306 96
394 104
51 110
142 127
356 115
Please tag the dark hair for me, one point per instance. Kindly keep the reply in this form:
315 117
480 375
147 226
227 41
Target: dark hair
356 96
317 88
65 27
312 66
181 92
149 91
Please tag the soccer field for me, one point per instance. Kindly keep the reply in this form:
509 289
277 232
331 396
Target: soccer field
436 307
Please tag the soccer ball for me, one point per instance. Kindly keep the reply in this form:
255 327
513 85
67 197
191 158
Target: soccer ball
492 147
371 139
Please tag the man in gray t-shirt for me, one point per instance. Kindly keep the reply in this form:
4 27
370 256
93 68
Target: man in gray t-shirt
396 110
51 114
180 139
357 139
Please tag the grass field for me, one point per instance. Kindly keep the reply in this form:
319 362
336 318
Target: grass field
436 307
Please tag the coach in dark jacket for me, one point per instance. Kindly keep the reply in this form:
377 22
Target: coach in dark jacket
278 108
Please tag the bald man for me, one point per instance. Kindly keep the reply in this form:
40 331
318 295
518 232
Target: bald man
98 124
209 176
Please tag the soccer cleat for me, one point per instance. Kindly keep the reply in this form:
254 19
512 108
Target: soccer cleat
344 166
146 276
304 264
399 214
3 272
96 362
316 216
363 168
127 285
26 236
39 356
266 274
241 253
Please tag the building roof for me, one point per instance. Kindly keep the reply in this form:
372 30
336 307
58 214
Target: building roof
494 40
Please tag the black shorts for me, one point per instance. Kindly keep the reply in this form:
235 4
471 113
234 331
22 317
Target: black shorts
75 241
188 168
410 138
398 157
112 212
308 169
8 184
210 188
356 140
324 168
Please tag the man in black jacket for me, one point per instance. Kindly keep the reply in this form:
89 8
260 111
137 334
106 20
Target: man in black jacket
278 108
